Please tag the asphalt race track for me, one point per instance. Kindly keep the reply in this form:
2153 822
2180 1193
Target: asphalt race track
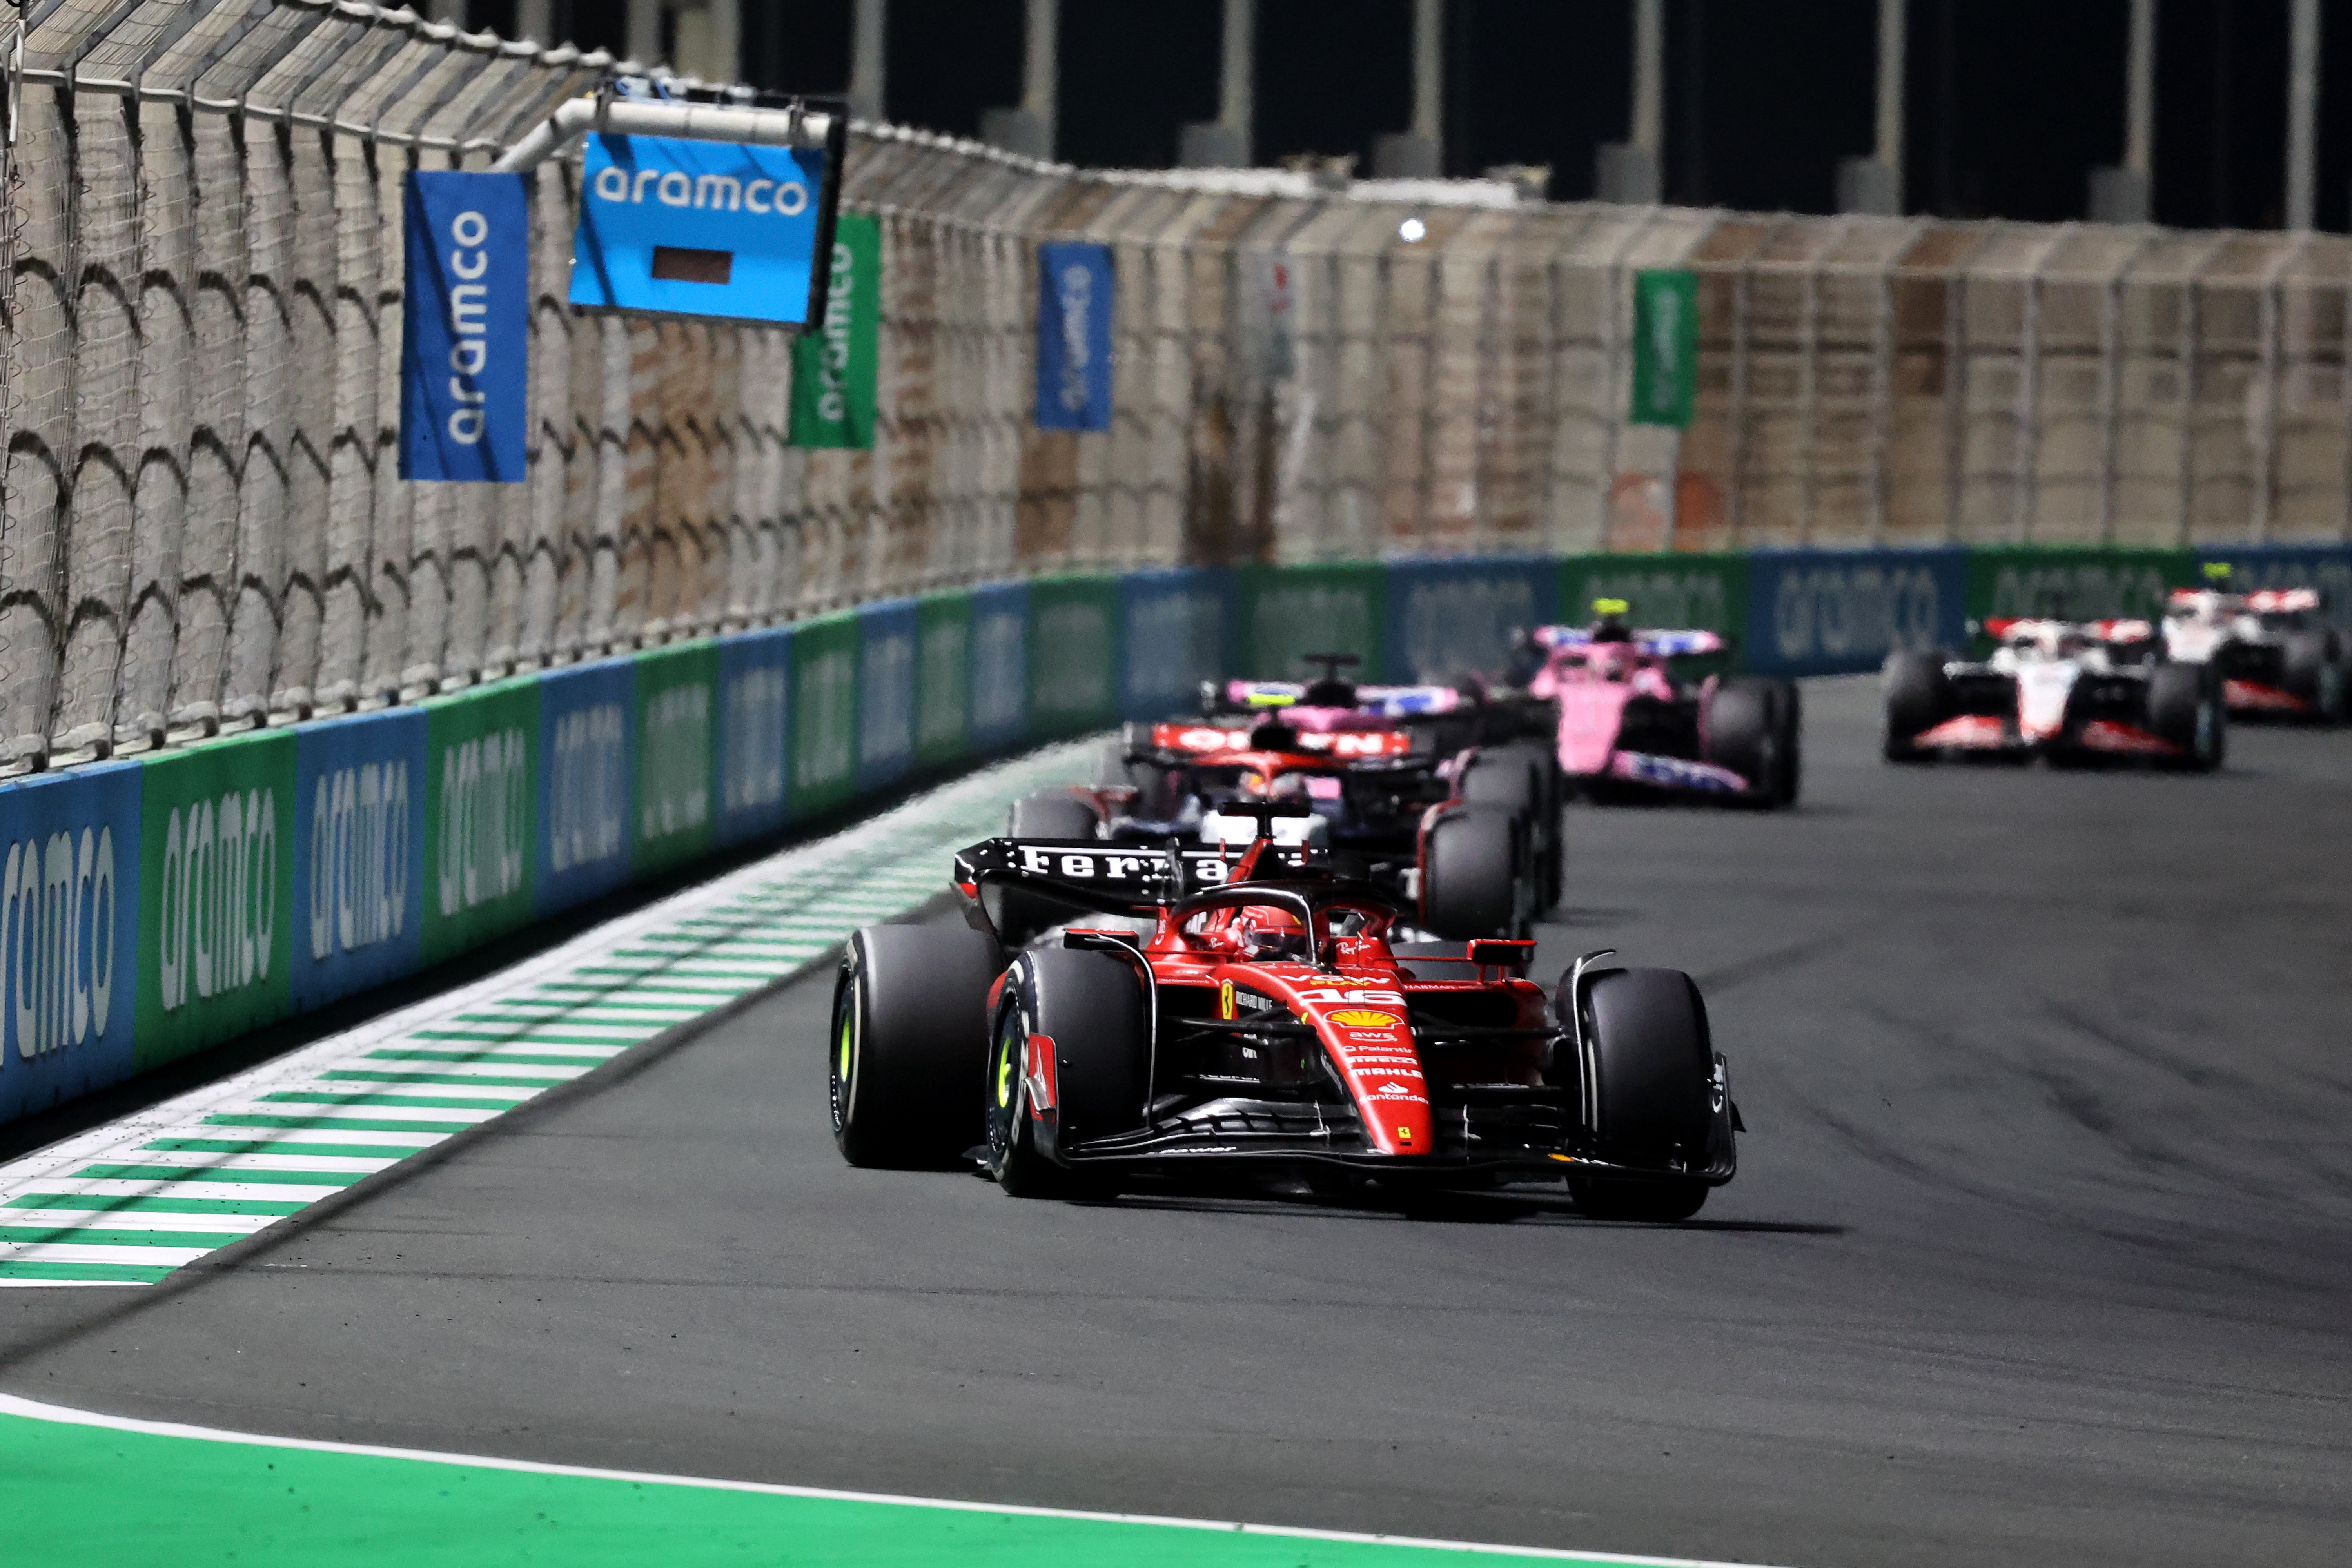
2041 1250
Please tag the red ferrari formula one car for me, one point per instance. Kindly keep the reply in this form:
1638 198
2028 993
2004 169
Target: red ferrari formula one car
1266 1023
1625 719
1467 835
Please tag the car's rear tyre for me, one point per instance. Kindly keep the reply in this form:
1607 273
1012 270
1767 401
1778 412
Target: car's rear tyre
1093 1008
1524 777
910 1022
2185 708
2312 667
1154 786
1051 814
1918 697
1473 866
1752 728
1647 1082
1020 916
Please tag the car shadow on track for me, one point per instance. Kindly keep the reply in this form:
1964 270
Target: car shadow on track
1431 1208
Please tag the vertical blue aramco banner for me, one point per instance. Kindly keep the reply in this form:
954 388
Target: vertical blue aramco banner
465 347
1075 298
697 228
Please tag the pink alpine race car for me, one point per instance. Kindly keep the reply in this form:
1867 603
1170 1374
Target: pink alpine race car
1627 722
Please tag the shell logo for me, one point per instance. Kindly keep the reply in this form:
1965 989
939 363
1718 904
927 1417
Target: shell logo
1362 1018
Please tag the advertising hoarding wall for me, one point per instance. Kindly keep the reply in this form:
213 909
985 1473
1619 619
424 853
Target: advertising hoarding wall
887 648
755 673
587 781
824 714
216 876
1074 648
358 854
68 935
677 754
481 809
149 909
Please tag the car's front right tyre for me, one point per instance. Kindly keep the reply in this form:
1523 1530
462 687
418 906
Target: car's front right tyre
1069 1060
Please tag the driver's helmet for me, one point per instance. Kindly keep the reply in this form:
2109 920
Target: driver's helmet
1612 625
1265 932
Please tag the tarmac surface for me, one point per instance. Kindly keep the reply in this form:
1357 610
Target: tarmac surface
2041 1250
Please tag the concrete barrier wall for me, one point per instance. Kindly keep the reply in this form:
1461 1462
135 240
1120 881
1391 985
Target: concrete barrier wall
155 908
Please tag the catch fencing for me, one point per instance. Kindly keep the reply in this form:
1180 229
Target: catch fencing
199 359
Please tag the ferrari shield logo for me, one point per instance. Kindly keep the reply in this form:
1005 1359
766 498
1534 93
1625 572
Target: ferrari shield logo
1226 999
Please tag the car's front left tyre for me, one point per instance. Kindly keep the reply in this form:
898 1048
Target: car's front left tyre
2185 708
909 1023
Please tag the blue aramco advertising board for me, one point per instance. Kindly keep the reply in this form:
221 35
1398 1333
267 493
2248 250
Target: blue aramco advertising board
697 228
587 787
68 931
359 853
466 338
1074 299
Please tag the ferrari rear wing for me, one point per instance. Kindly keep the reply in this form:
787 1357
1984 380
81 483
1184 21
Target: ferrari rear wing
1117 879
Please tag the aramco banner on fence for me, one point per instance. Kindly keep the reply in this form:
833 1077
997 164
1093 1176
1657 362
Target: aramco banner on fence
697 228
1075 302
834 362
466 333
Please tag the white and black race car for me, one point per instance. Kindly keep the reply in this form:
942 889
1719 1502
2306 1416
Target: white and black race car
2273 652
2074 691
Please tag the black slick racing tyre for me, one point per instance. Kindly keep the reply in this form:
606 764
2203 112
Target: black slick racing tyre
1524 777
1751 729
1051 814
1056 813
2185 707
1646 1080
1918 696
2312 667
1154 786
1070 1060
910 1025
1472 861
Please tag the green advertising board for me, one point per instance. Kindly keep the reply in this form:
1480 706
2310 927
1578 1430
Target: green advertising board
677 754
942 678
481 815
1074 645
1665 590
1665 348
1288 612
833 367
824 713
2078 583
216 893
